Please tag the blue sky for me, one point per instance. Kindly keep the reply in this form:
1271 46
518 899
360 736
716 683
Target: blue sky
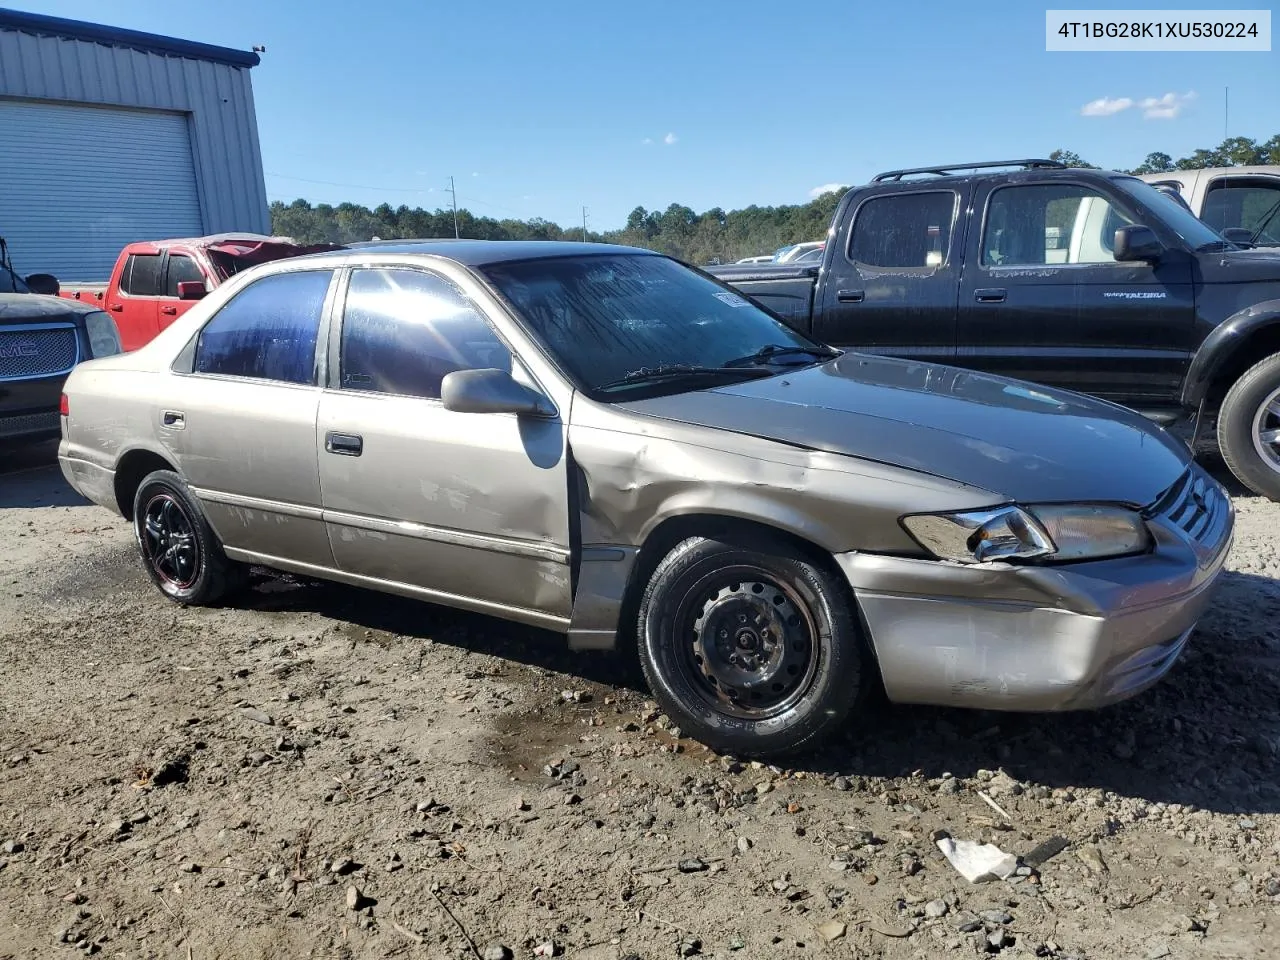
539 108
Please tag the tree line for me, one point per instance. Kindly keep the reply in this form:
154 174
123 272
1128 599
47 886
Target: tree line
715 235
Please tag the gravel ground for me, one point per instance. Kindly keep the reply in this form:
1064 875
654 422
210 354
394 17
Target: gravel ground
324 772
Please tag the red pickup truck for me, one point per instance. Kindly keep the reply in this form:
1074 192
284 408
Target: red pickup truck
155 282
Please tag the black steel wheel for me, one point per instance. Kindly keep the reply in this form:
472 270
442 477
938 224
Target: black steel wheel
751 649
179 549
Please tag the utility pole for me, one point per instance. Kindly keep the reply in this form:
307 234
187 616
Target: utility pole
584 224
1226 111
454 194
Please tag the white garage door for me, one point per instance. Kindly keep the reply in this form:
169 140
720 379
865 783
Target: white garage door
78 183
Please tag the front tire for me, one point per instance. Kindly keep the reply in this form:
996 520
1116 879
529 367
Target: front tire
1249 428
179 549
754 649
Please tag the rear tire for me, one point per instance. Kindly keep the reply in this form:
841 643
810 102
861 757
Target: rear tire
1249 428
752 649
179 549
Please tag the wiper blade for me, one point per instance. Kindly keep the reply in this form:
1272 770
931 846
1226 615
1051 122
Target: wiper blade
1264 221
678 371
773 351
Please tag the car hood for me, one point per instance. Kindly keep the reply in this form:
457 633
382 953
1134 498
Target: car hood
1236 266
1017 440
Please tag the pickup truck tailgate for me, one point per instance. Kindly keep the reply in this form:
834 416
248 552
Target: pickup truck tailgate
785 289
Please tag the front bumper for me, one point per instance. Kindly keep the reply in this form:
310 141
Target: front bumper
40 425
1041 638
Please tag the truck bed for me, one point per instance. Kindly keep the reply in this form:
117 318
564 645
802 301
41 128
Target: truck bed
786 289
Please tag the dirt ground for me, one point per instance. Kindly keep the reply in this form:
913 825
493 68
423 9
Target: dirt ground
324 772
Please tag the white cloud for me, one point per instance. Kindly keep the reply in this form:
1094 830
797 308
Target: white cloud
827 188
474 174
1105 106
1167 107
669 139
646 141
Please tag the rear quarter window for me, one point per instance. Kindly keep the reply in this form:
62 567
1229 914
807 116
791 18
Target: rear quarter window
909 230
141 275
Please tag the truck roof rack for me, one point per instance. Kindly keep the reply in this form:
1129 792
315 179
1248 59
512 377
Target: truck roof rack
946 171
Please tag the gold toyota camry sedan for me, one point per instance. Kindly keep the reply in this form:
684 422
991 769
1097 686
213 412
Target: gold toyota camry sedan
602 441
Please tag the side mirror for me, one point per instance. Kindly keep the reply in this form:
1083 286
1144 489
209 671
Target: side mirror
1137 243
1241 236
191 289
45 283
491 391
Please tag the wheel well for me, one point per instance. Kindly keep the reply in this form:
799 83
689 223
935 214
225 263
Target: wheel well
1259 345
133 466
661 540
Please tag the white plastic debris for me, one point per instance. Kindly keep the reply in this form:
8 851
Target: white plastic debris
978 862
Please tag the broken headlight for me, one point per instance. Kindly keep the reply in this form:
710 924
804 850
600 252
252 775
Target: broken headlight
1055 532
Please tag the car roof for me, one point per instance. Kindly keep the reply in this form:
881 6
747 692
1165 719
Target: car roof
1263 169
479 253
15 307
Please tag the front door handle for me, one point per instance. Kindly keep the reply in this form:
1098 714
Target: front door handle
174 418
851 296
344 444
117 307
990 294
169 311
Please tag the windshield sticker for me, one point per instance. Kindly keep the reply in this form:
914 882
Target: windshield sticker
1135 295
732 299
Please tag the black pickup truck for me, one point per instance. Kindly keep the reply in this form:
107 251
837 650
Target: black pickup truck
1082 279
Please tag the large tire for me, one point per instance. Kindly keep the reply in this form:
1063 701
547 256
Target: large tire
800 665
179 549
1249 428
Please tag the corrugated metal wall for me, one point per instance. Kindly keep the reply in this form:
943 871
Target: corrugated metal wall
218 98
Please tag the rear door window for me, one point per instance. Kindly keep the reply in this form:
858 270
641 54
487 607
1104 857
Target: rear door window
268 330
141 275
904 230
181 269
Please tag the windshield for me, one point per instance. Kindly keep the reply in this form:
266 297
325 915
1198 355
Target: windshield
605 317
1195 232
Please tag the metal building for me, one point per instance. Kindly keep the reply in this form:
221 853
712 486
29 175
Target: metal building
110 136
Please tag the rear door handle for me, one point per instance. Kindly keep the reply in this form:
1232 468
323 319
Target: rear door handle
990 294
174 418
850 296
169 311
117 307
344 444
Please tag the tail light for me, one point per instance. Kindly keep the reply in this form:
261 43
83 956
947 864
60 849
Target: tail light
64 406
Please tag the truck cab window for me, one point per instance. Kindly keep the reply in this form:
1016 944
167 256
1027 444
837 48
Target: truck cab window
181 270
1033 224
1248 202
905 230
141 275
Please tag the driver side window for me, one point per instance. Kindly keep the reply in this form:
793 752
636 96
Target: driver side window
1047 224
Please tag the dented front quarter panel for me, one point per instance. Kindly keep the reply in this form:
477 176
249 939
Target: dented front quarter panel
635 472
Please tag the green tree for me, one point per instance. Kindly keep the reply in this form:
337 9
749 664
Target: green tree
1155 163
1071 159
